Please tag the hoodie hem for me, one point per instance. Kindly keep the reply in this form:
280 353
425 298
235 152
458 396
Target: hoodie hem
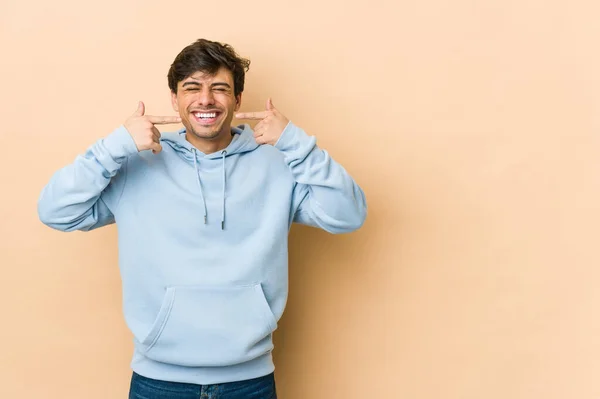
255 368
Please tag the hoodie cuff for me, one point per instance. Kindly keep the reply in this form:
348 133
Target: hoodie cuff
119 144
293 139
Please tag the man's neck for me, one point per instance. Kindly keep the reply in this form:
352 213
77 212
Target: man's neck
209 146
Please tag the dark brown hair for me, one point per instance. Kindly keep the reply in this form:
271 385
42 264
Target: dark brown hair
208 56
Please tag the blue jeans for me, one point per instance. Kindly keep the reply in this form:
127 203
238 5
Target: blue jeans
256 388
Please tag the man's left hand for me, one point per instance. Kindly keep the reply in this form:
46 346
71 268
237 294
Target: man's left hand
271 125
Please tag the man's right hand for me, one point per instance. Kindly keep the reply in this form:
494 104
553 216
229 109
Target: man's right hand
141 128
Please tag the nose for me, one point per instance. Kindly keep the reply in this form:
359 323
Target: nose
206 97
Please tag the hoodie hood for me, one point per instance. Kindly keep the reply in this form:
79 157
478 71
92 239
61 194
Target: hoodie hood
243 141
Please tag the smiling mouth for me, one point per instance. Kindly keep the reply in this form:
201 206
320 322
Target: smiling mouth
206 118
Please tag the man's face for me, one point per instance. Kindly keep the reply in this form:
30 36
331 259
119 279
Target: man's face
207 103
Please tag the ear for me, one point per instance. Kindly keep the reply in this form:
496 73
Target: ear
174 102
238 102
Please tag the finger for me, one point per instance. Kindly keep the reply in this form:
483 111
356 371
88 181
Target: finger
259 132
270 106
260 140
140 109
156 135
260 125
252 115
156 148
163 120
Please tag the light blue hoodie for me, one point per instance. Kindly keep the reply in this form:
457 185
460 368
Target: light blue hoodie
203 240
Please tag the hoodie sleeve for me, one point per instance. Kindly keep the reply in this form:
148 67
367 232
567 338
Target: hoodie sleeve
325 195
80 195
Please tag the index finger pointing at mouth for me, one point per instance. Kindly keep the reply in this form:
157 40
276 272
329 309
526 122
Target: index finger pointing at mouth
251 115
163 120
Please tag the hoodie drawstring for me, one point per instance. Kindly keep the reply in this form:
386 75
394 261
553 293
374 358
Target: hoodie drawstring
223 154
199 184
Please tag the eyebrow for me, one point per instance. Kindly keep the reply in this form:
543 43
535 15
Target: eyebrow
194 83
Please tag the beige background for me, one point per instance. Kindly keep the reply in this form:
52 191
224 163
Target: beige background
473 128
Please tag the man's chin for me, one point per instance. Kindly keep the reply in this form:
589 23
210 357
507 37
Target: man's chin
207 135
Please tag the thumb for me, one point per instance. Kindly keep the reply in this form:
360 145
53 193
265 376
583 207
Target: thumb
140 110
270 106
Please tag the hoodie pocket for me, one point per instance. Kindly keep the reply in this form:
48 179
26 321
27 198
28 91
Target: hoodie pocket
211 326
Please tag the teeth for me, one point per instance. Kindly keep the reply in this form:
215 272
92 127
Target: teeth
205 115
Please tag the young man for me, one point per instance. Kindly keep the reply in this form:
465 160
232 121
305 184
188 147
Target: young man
203 216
